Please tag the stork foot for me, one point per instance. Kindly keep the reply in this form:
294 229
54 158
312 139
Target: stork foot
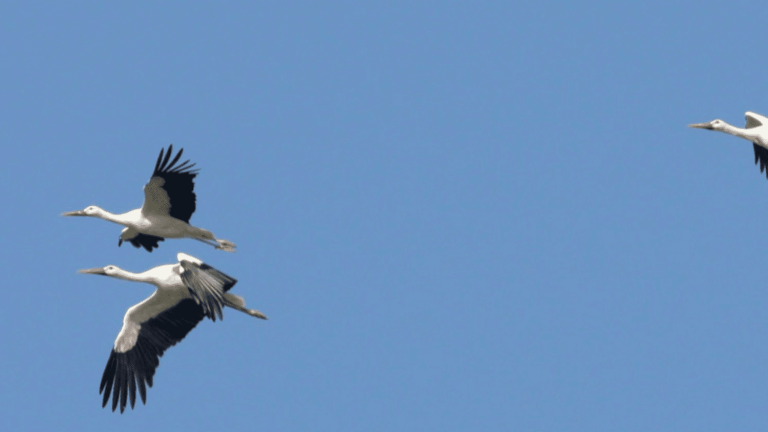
226 246
257 314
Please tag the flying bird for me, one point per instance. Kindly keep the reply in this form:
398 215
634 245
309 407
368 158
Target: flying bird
169 201
756 131
186 293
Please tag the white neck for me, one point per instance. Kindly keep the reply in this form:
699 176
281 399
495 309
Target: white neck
134 277
121 219
747 134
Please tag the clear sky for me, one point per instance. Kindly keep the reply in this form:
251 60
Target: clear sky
459 216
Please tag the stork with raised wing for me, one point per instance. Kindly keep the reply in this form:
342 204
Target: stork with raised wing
756 131
169 201
186 293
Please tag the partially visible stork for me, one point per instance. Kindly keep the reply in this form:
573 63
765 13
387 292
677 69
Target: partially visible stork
186 293
169 201
755 131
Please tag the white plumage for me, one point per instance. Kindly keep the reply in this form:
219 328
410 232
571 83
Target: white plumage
756 131
186 293
169 202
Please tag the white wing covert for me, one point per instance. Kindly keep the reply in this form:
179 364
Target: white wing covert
207 286
134 360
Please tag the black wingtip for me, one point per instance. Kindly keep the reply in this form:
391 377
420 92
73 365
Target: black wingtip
165 166
159 158
761 158
176 159
167 157
108 379
146 241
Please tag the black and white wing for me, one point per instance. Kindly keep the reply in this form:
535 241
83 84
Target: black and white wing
754 120
147 241
761 153
171 190
761 158
206 284
138 349
138 239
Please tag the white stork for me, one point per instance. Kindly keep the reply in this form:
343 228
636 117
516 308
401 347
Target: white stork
186 293
169 201
755 131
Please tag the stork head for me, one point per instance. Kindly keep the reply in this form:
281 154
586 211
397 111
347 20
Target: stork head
109 270
88 211
716 124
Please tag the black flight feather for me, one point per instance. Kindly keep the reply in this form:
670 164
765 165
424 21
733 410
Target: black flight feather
207 286
179 184
147 241
761 158
140 362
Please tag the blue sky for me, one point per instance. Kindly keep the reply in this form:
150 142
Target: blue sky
458 216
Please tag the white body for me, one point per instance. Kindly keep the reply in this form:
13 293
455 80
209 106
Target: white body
171 289
155 218
160 225
756 129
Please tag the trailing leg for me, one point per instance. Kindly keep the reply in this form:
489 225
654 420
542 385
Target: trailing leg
238 303
206 236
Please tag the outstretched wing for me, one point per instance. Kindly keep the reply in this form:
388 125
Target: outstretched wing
206 284
138 349
761 153
754 120
761 158
138 239
144 240
171 189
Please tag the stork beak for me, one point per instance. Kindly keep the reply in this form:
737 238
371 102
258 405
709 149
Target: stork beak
120 242
75 213
96 271
701 126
